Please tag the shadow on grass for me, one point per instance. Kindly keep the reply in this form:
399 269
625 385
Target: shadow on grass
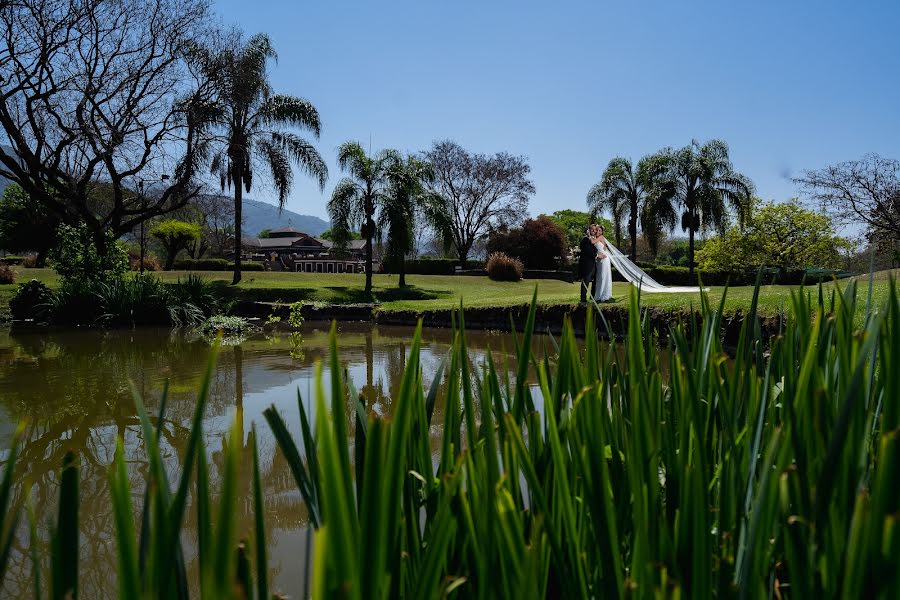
330 294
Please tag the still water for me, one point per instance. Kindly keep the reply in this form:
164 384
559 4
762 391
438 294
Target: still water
73 391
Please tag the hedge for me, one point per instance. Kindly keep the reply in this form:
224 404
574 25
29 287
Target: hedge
681 276
201 264
214 264
424 266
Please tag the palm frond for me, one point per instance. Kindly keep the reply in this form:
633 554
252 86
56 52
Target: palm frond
344 210
282 109
279 168
303 154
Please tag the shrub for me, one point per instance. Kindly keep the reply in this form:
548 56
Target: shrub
129 301
424 266
201 264
232 329
501 267
77 256
197 291
30 261
151 262
248 266
32 301
7 275
539 244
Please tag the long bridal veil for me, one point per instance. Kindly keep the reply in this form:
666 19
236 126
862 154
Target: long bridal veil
639 278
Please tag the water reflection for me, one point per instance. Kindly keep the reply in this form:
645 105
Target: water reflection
73 391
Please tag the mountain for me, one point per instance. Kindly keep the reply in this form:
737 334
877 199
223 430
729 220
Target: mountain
257 215
261 215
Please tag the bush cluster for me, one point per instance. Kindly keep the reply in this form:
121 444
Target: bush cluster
501 267
32 301
7 275
125 301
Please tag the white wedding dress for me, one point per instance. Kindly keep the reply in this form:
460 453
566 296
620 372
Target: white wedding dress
603 286
636 276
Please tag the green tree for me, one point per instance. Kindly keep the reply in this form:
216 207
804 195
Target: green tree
358 196
328 234
251 119
79 259
26 224
783 235
574 223
175 236
702 182
407 204
264 233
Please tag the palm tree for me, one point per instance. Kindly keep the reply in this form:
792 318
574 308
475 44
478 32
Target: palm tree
358 196
623 189
252 119
702 182
408 204
599 201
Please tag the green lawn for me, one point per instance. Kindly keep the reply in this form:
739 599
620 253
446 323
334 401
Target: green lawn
426 292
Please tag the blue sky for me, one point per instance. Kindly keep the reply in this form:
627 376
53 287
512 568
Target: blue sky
789 85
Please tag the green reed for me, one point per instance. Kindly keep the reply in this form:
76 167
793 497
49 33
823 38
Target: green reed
775 474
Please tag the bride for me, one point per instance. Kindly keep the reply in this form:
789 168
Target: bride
608 256
603 287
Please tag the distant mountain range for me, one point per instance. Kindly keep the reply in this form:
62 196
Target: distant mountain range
261 215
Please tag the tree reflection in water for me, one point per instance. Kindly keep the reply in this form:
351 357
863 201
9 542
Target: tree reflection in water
72 388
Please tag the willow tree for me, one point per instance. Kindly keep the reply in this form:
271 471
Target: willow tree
255 126
701 182
357 197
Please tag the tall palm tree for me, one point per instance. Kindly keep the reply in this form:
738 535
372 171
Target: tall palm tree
599 202
408 204
702 182
623 189
252 119
358 196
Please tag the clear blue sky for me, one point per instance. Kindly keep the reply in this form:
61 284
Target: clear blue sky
789 85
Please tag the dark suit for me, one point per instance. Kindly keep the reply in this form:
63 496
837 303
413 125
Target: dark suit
587 267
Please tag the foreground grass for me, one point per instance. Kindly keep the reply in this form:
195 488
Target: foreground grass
772 476
439 292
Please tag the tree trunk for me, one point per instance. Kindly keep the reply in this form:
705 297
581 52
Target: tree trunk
632 229
691 241
463 253
402 269
369 259
238 200
170 258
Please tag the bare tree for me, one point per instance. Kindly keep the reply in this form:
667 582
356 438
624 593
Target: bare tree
865 191
96 98
481 192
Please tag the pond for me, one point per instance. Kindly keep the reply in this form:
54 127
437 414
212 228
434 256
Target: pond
72 389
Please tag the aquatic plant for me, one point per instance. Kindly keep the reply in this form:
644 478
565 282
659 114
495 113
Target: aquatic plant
772 475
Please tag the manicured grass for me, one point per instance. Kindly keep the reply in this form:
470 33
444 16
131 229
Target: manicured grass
435 292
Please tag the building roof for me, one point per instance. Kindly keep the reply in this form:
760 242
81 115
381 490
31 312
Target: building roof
300 240
286 232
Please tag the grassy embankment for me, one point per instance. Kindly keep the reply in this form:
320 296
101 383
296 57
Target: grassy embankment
436 292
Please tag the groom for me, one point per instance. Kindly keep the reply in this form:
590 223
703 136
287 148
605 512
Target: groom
587 264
